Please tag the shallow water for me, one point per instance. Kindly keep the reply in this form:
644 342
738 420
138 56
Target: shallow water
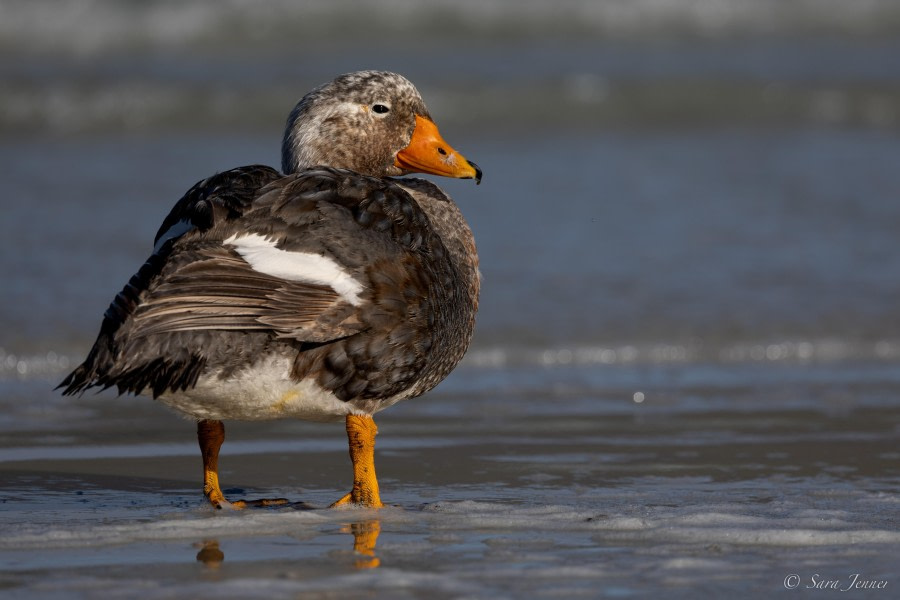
684 381
722 479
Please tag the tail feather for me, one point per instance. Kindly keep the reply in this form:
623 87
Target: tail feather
89 373
158 375
111 362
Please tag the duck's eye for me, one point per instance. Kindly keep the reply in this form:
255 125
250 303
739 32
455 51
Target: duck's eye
380 108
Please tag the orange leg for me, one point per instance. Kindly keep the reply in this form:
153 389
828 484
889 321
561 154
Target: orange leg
211 434
361 432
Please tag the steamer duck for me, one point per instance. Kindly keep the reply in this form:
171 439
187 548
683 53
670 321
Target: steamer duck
328 292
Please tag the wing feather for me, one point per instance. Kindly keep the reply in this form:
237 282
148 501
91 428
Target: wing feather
196 301
213 288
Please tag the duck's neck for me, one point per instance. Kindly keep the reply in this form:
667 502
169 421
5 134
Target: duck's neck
449 223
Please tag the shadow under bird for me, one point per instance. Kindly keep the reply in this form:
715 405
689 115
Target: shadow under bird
328 292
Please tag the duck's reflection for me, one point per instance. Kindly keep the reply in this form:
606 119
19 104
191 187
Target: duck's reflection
210 554
365 536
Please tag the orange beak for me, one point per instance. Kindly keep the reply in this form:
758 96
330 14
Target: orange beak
427 152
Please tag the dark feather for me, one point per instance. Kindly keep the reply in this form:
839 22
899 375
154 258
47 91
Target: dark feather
196 306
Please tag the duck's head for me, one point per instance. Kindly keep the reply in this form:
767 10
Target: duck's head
372 122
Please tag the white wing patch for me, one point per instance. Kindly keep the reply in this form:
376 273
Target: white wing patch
262 255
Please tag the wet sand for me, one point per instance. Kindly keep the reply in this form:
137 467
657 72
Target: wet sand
721 488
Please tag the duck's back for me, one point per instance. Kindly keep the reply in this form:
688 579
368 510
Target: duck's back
325 277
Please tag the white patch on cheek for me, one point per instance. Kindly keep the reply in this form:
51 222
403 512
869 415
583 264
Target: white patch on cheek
264 256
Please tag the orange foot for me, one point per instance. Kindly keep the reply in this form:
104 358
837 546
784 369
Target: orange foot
211 434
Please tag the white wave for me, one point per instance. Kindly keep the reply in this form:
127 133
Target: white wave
686 524
52 364
787 351
727 524
27 536
93 26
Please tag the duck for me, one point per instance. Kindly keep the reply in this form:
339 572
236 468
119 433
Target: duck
328 291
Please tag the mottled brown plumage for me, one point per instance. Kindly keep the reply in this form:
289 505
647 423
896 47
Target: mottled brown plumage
334 290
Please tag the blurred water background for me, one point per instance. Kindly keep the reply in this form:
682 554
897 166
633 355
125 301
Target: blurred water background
685 373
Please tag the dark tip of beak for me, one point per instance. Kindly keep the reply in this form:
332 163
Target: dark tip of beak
477 172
